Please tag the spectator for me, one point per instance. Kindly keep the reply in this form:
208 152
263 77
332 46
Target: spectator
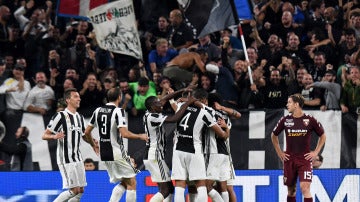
5 32
296 86
317 70
16 89
61 104
93 95
350 97
72 30
134 74
274 93
161 30
9 64
159 57
319 43
126 102
252 56
181 68
232 54
74 75
157 78
332 91
90 164
41 97
315 18
164 87
2 79
312 96
34 29
270 52
207 82
142 90
348 46
109 82
224 81
21 156
181 36
235 43
249 97
77 54
213 51
281 29
355 22
295 49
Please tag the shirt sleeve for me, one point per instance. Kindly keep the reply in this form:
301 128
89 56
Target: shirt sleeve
318 128
120 118
55 123
279 126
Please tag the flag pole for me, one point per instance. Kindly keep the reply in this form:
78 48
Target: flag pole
245 52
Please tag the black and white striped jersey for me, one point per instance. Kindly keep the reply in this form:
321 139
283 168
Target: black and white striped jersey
213 143
108 119
191 128
73 126
155 147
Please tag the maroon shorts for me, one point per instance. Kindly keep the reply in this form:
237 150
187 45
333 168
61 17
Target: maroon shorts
297 166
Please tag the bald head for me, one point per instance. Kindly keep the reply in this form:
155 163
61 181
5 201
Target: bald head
175 17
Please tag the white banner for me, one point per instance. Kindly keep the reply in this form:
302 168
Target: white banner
115 28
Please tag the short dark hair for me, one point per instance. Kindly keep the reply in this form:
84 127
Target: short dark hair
298 98
214 97
113 94
149 102
200 93
89 160
67 93
143 81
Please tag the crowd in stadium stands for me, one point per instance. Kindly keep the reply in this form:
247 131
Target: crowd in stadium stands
296 46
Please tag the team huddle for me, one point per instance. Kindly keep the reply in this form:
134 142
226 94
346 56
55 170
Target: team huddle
201 157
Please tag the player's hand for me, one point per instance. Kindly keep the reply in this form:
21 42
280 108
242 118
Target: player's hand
59 135
221 122
284 156
310 156
144 137
133 162
96 147
191 99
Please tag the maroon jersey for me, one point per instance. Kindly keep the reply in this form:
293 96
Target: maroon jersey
298 132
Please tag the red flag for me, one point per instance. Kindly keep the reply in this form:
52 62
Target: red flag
77 8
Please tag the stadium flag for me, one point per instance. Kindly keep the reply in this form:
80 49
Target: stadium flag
77 8
243 9
207 16
115 28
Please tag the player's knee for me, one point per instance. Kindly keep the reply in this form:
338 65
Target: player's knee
165 191
292 190
305 187
130 183
76 190
171 187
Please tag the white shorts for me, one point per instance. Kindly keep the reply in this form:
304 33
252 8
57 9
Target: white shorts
231 181
218 168
188 166
73 175
119 169
159 171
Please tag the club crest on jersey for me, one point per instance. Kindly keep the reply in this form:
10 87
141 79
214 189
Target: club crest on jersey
289 122
306 122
